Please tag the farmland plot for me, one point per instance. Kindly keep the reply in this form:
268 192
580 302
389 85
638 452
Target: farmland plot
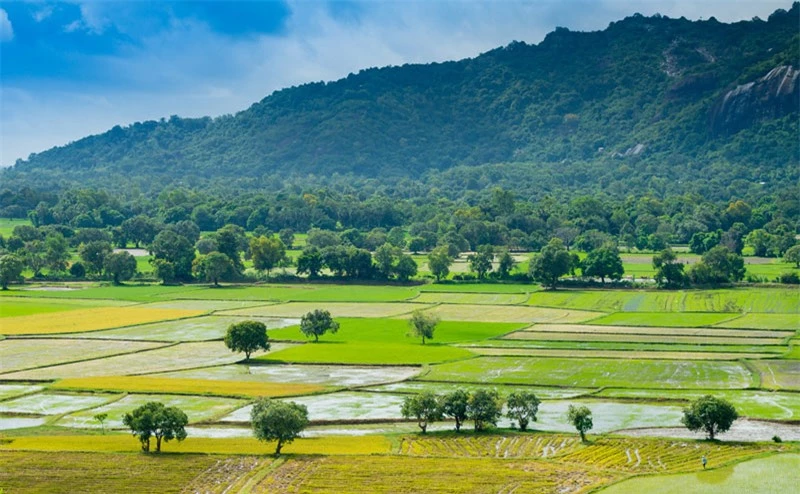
651 330
471 298
411 387
677 319
367 353
779 374
623 354
789 322
197 408
21 306
81 320
169 358
203 305
344 406
194 329
571 372
337 309
508 314
310 293
641 338
12 390
326 375
52 404
18 354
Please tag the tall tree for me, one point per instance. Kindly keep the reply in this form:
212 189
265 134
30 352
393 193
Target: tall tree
669 271
266 252
423 324
10 270
710 414
439 262
603 263
424 407
278 421
121 266
214 267
581 419
247 337
175 249
481 261
310 261
318 322
153 419
484 407
456 406
94 254
522 406
552 262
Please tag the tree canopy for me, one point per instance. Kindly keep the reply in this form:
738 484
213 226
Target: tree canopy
710 414
318 322
279 421
154 419
247 337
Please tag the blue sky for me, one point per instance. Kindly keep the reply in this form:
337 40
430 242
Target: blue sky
70 69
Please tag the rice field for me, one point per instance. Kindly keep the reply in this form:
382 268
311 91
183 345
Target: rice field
762 299
772 350
92 291
641 338
411 387
471 298
779 374
81 320
775 473
341 406
12 390
322 375
573 372
654 330
306 293
337 309
367 353
480 288
184 386
677 319
614 354
508 314
197 408
19 354
52 403
204 328
790 322
20 306
162 359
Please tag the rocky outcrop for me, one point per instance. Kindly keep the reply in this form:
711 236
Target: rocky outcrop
773 96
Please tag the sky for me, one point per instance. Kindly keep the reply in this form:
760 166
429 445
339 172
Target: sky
76 68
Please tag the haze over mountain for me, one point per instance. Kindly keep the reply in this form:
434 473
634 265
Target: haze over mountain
647 97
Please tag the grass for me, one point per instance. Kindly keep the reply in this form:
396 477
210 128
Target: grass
18 354
505 313
124 443
164 359
89 320
7 225
147 384
480 288
760 299
337 309
677 319
57 472
197 408
397 331
571 372
776 473
764 321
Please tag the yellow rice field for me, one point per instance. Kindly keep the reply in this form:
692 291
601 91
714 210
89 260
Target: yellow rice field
146 384
76 321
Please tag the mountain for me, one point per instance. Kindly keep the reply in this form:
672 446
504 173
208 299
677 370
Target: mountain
647 95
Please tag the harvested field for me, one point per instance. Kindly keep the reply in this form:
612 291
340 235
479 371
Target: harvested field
18 354
535 446
164 359
149 384
337 309
82 320
499 313
573 372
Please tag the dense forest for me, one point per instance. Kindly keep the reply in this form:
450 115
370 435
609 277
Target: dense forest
653 132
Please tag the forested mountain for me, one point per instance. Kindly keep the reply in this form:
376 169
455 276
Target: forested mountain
649 105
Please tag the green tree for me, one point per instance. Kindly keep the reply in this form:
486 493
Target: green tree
709 414
718 265
56 252
506 264
481 261
101 417
318 322
213 267
310 261
406 267
439 262
231 241
266 252
484 407
175 249
76 270
164 270
455 405
139 229
385 258
35 257
10 270
793 255
603 263
247 337
287 237
581 419
153 419
551 263
278 421
424 407
669 272
522 407
94 254
121 266
416 244
423 324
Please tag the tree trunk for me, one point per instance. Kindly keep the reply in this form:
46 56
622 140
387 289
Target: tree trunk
583 437
158 444
278 447
316 338
458 425
246 356
423 426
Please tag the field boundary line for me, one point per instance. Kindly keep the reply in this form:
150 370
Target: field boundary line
755 372
112 399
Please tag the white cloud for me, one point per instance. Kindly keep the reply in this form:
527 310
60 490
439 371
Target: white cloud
191 71
43 13
6 30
